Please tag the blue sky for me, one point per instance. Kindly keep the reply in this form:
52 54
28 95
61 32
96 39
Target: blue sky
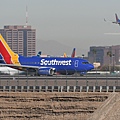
76 23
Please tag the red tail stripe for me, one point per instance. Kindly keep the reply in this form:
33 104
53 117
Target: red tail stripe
73 54
5 54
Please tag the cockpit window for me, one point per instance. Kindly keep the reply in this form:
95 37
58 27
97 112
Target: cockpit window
85 62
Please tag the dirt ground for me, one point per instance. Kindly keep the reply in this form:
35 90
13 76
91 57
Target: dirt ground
49 106
109 110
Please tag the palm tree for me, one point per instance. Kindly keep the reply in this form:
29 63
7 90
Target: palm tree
94 51
109 53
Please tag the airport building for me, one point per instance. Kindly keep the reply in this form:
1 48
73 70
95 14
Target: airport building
21 39
105 55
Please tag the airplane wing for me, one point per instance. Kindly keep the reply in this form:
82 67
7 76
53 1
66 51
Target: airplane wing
114 22
40 70
20 67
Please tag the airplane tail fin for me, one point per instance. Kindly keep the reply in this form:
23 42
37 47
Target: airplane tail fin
39 54
8 55
73 53
65 55
116 17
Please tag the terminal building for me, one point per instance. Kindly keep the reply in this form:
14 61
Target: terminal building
21 39
105 55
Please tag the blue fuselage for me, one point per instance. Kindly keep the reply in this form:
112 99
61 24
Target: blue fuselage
60 64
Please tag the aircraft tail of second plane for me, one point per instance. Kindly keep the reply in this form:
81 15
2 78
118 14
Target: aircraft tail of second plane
7 54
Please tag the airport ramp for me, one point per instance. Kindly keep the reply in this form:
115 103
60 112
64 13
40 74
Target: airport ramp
109 110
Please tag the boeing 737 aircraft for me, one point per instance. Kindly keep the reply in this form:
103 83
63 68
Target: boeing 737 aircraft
117 20
42 65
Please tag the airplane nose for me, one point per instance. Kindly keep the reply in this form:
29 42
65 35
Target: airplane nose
91 66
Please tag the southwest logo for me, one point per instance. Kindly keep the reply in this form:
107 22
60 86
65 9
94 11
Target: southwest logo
55 62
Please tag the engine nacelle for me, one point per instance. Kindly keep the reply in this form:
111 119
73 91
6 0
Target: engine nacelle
46 71
82 73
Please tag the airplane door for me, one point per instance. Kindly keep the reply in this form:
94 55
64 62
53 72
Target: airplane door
76 63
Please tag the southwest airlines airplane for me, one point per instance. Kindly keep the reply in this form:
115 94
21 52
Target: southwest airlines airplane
117 20
42 65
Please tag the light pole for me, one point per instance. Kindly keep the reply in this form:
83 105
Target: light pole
113 61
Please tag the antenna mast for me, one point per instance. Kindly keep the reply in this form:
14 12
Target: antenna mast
26 16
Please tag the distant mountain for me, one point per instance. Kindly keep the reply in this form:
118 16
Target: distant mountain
55 48
52 47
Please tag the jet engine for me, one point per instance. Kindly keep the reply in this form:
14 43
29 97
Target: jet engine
46 71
